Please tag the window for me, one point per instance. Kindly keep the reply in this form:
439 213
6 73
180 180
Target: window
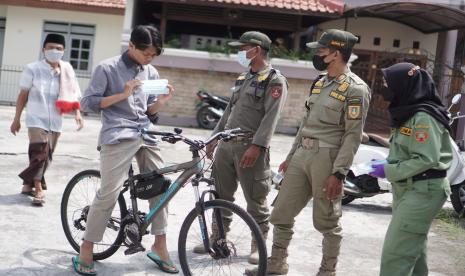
416 45
377 41
79 42
396 43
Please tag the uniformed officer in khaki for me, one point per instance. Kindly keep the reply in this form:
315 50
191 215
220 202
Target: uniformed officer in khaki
258 96
322 153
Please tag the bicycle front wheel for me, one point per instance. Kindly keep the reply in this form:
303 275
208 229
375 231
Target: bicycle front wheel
242 230
75 204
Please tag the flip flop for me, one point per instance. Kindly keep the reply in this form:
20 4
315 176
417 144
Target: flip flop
38 201
163 265
79 267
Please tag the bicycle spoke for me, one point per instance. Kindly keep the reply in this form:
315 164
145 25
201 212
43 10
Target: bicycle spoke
238 243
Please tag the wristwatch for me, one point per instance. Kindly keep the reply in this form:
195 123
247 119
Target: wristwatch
339 176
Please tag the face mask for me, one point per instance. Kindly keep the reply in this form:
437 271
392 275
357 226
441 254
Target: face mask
386 93
319 63
53 55
242 58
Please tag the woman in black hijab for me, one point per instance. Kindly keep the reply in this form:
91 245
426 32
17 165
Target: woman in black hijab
419 155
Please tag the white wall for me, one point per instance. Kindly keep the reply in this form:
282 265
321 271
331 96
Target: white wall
24 27
369 28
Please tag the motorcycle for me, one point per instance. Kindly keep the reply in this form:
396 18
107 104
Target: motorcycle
210 109
377 147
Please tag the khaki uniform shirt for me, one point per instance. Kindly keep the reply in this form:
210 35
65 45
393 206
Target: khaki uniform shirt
336 113
420 144
256 102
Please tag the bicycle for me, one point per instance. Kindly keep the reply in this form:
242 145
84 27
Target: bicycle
127 226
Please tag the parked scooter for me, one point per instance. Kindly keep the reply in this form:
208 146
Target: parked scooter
210 109
376 147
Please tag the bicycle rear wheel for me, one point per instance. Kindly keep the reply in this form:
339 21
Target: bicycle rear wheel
75 203
238 243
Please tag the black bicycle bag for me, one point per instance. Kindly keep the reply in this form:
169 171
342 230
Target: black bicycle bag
151 186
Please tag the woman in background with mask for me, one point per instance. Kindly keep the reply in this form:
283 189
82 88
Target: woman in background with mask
419 156
49 87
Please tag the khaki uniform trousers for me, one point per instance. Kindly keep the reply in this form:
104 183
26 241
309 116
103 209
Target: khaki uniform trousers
414 206
115 161
305 179
254 181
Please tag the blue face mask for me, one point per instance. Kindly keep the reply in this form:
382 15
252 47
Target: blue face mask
242 58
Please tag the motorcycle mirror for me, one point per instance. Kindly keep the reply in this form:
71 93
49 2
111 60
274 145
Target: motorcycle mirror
456 98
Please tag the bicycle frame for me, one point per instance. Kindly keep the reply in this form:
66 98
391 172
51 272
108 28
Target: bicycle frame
189 169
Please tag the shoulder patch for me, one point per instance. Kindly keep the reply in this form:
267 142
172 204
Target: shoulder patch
354 109
421 136
405 131
276 90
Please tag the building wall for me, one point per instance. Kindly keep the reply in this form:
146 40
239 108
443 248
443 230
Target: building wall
24 32
3 10
181 109
369 28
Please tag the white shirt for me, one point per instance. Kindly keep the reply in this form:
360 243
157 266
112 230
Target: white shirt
43 84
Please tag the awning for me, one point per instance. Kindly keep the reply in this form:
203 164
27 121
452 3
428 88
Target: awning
421 15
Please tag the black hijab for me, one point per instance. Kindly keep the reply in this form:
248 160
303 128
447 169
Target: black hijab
414 91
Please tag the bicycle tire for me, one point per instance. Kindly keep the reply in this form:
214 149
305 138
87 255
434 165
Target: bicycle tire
74 242
222 205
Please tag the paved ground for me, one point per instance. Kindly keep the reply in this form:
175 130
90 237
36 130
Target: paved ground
32 241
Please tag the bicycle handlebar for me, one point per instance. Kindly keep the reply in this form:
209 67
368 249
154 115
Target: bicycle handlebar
173 138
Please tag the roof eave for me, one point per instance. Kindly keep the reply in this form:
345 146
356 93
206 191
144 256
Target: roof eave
64 6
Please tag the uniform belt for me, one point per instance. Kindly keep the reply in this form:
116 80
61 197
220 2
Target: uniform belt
310 143
429 174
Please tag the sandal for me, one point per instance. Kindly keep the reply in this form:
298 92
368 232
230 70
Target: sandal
166 266
82 268
38 200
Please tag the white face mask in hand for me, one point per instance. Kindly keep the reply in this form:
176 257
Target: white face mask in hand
53 55
242 58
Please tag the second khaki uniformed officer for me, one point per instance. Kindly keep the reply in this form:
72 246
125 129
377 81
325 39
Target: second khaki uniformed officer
257 99
322 153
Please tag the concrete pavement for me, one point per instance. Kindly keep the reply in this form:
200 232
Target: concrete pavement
32 240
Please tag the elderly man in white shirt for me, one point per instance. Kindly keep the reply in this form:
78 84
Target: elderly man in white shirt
44 84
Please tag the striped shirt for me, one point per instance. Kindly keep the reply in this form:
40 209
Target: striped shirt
43 85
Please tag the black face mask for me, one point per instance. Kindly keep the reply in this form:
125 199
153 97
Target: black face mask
386 93
319 63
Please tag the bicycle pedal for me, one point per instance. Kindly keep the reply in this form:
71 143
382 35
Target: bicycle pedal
134 249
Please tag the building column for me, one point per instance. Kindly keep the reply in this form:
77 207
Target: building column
163 21
445 54
128 23
297 33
